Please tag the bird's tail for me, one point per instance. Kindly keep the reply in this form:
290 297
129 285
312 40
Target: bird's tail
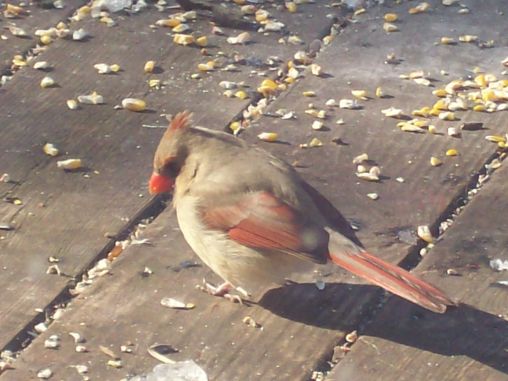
390 277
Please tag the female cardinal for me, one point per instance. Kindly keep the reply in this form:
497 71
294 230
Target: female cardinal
253 220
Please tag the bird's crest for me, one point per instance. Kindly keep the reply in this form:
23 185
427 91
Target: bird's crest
180 121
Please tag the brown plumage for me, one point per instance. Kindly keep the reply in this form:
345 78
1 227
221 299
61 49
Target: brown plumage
254 221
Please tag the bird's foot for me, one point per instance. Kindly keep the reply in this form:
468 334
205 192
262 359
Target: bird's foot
223 291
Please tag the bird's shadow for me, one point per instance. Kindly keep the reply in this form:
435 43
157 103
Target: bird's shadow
462 330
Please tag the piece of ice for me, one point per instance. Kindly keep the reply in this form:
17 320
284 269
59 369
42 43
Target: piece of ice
499 264
179 371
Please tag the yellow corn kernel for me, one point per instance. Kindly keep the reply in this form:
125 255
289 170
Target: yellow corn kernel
202 41
241 94
447 41
268 136
291 7
447 115
46 39
134 104
468 38
235 126
441 104
149 66
435 112
452 152
479 108
183 39
360 94
390 17
423 112
169 23
440 93
495 138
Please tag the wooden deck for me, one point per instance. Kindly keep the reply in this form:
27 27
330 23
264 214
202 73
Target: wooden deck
77 216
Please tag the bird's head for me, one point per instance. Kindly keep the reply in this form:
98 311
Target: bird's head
170 155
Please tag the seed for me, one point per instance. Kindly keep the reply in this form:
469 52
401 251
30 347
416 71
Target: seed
209 66
422 81
379 92
389 27
360 94
390 17
424 233
242 38
115 363
373 196
202 41
79 35
102 68
452 152
349 104
46 39
352 337
315 142
309 93
183 39
361 158
315 69
250 322
176 304
495 138
447 41
268 136
134 104
41 65
170 23
149 66
317 125
69 164
447 115
452 131
180 28
392 112
440 93
18 32
435 162
93 99
291 6
423 112
468 38
422 7
44 373
72 104
50 150
47 82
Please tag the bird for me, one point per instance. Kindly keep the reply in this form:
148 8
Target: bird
255 221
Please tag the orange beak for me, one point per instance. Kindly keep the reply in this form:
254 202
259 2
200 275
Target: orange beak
160 184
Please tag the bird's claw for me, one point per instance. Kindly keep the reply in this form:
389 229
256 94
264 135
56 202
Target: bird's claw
223 291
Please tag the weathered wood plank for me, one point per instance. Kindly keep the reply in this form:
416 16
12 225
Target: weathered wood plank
35 18
469 342
68 214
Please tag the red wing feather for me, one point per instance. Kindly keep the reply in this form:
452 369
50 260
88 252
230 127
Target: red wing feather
262 221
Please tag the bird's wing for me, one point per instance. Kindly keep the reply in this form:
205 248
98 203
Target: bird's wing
262 221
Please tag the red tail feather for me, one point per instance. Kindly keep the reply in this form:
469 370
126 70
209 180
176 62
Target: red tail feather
393 279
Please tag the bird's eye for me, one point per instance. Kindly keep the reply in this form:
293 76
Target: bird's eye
170 169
